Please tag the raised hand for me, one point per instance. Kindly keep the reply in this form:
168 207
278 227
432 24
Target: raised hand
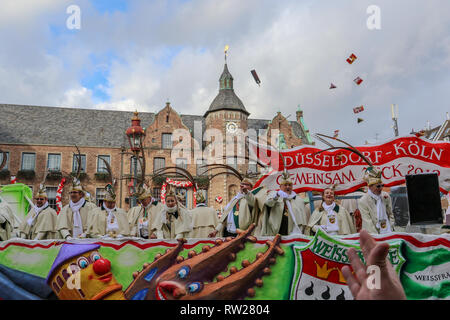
375 254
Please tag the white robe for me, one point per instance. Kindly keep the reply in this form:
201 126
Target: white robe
273 212
320 218
64 221
368 208
204 221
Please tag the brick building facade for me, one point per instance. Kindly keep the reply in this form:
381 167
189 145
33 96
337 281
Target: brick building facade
48 135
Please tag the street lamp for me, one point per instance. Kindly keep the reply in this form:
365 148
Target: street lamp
135 135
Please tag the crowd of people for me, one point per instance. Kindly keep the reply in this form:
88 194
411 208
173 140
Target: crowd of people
273 212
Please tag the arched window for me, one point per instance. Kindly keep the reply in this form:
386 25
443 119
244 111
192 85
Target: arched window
65 274
60 281
55 287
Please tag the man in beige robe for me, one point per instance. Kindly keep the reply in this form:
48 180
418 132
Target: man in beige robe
240 212
330 217
284 211
204 219
75 217
41 219
174 221
6 222
142 217
108 221
376 206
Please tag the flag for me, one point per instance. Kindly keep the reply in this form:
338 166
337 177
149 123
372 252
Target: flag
360 120
352 58
255 76
336 133
358 81
358 109
332 86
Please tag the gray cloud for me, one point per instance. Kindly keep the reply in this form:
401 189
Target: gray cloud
297 47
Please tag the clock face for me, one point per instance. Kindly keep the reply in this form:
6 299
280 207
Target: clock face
231 127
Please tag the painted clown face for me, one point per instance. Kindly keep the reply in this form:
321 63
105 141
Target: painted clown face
86 277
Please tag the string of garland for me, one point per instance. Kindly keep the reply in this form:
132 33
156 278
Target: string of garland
58 195
176 183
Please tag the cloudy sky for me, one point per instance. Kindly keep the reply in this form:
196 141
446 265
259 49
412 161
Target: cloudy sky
136 54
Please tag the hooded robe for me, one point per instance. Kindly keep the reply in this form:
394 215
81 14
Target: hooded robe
137 215
43 226
368 208
245 209
320 218
204 221
64 221
175 225
276 211
6 222
98 226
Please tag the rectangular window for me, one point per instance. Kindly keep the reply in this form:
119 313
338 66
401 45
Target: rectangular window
28 161
167 141
51 193
75 163
156 193
101 167
201 171
54 162
135 165
7 160
100 194
158 163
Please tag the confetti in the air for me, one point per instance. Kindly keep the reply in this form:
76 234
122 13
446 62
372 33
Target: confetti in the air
352 58
255 76
358 109
358 81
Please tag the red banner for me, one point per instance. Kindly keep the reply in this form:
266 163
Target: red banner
395 159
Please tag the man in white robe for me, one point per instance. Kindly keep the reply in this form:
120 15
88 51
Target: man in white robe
40 223
75 217
284 211
142 217
204 219
108 221
376 206
240 212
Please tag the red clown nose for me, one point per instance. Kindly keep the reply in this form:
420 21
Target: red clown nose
102 266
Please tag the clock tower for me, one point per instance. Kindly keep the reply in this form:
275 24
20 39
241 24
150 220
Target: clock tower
228 115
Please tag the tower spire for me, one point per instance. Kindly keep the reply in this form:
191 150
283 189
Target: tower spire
226 52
